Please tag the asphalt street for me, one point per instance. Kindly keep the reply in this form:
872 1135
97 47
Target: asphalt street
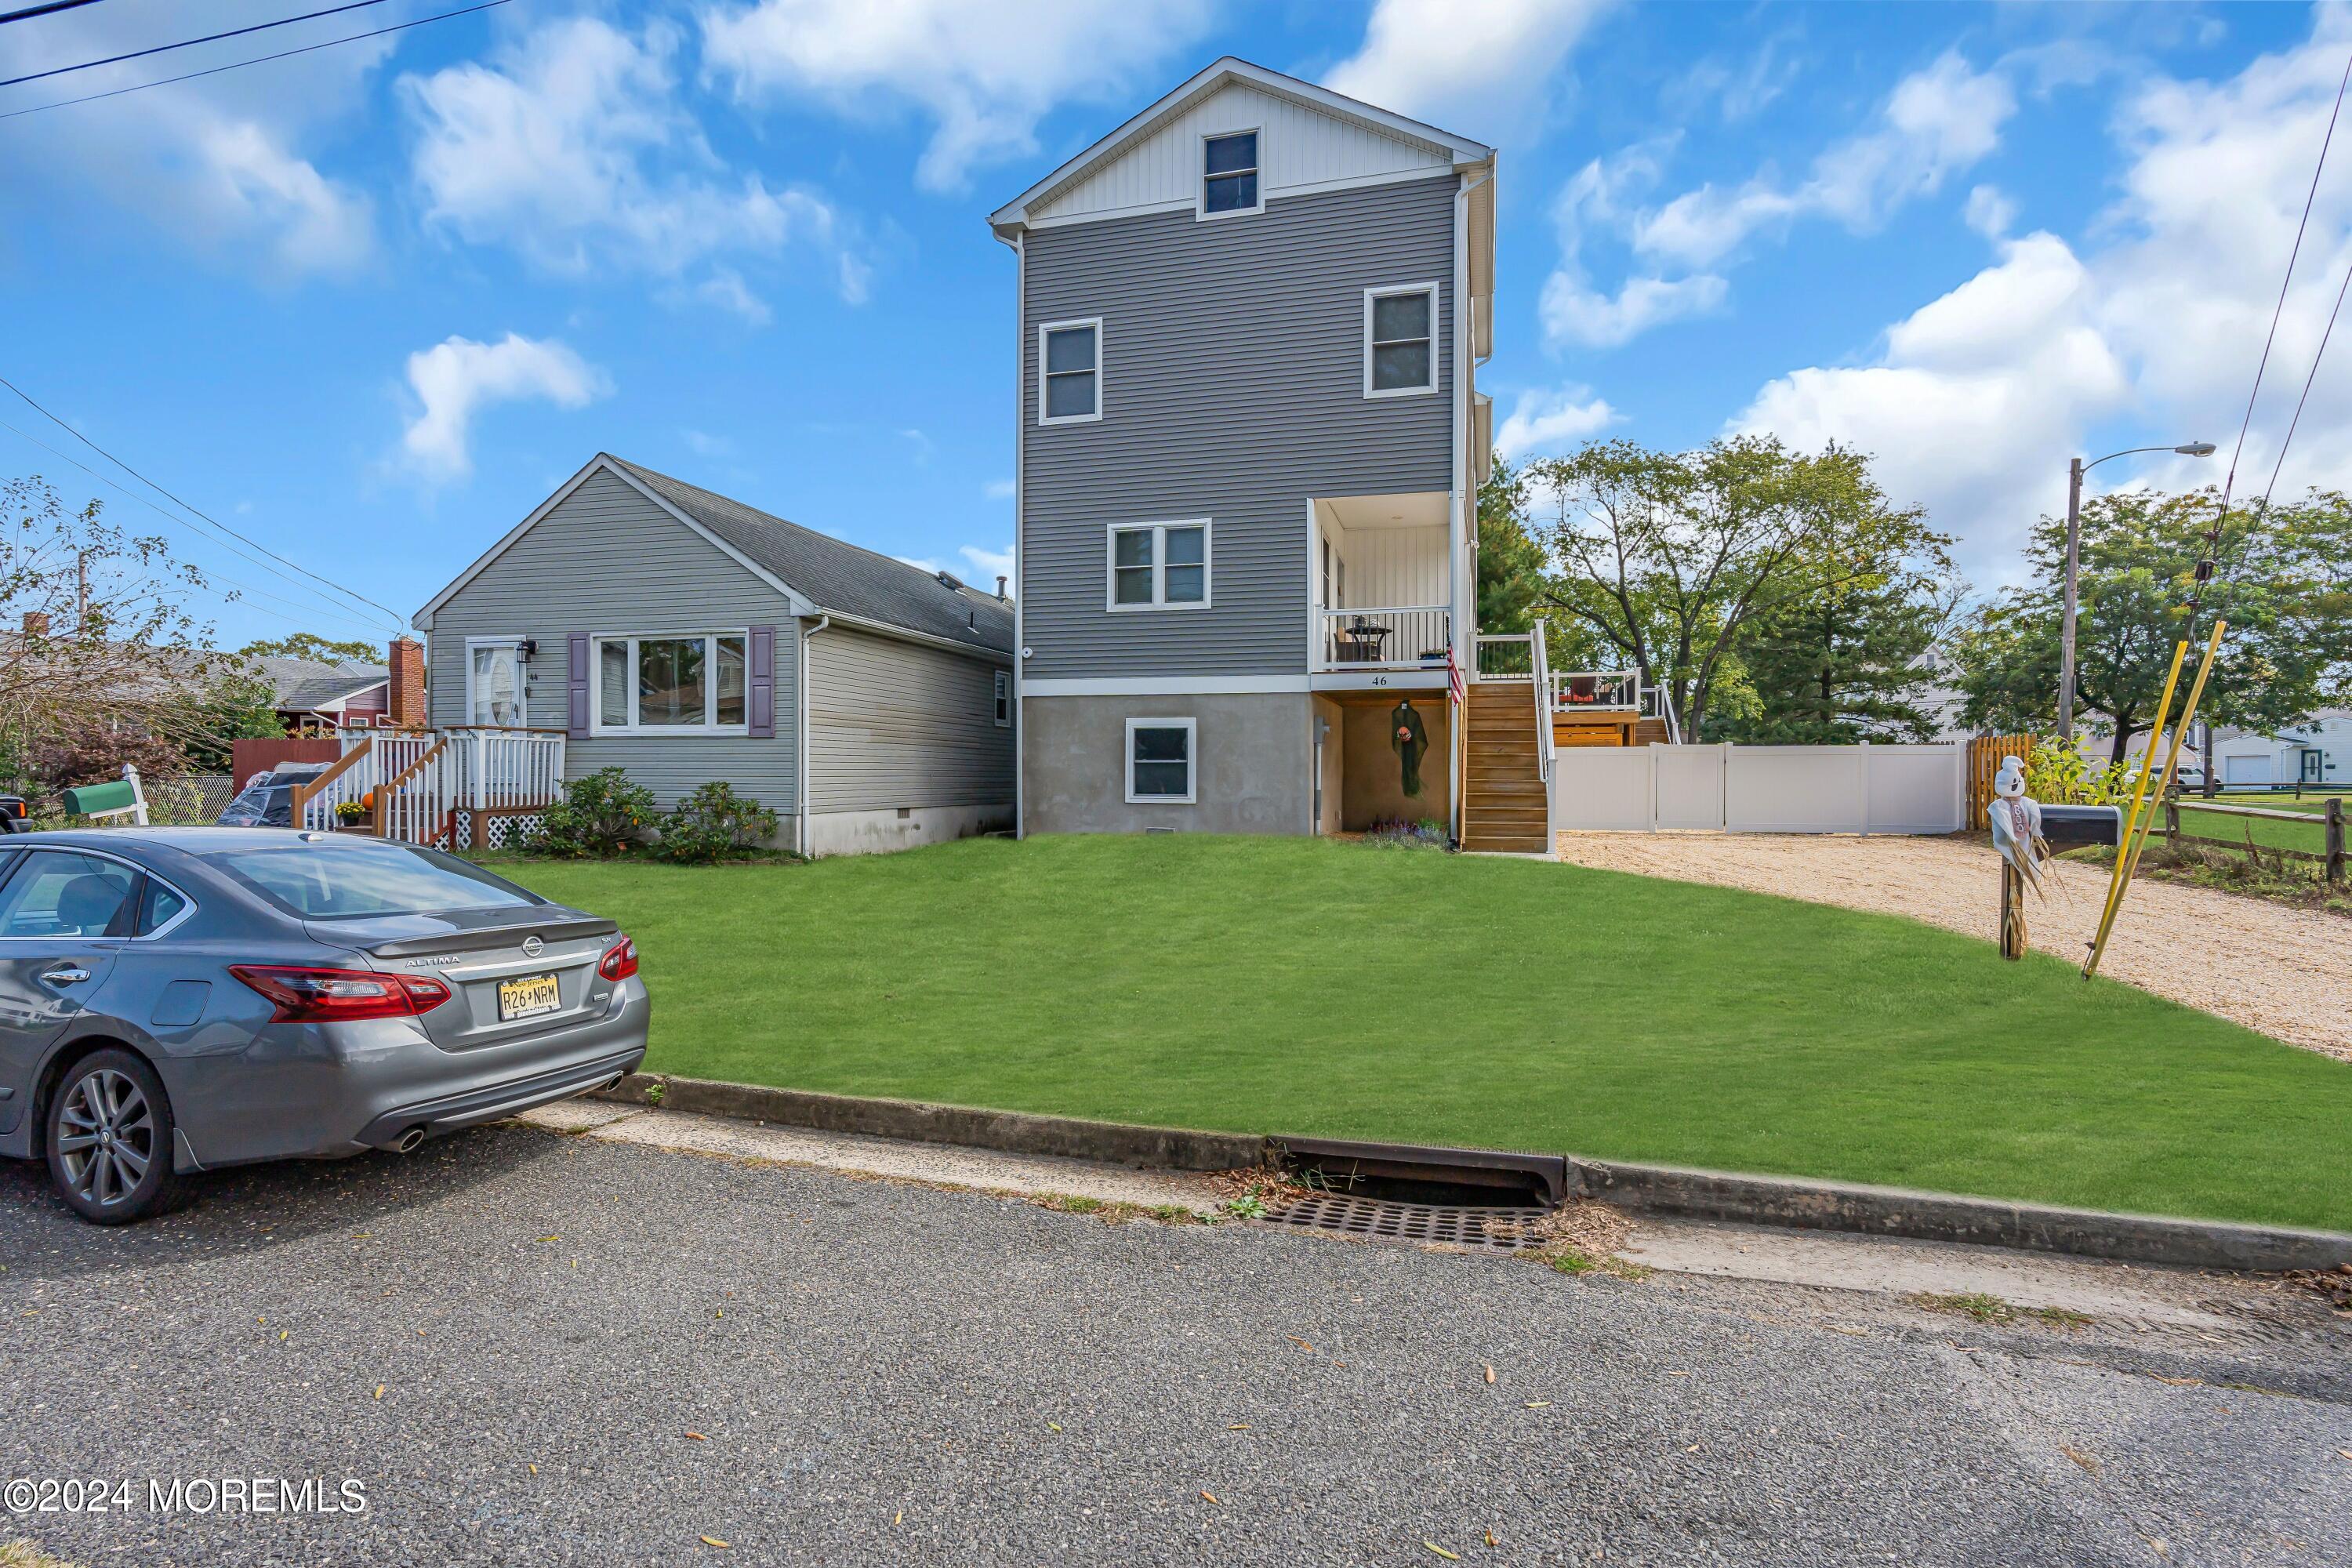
531 1348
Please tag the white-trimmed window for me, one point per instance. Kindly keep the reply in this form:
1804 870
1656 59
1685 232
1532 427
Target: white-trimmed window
657 683
1401 340
1160 760
1229 175
1001 701
1159 565
1069 360
494 682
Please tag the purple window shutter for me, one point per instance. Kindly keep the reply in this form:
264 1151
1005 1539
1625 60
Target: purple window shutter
576 708
761 659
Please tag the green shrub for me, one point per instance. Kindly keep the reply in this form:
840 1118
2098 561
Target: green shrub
2057 775
714 822
600 817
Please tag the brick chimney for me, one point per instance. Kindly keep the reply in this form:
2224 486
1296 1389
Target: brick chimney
406 700
37 625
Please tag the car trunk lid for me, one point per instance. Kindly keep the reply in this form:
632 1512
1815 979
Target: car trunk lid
503 970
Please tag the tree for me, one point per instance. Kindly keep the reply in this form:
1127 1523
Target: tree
1665 558
102 664
1845 664
1511 562
2282 582
316 649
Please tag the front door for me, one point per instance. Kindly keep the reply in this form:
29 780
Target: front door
62 918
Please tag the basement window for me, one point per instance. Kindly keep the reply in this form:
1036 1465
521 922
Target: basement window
1160 760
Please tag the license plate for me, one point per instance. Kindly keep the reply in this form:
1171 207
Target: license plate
527 996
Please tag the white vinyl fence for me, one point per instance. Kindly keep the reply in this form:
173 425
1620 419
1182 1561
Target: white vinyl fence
1759 789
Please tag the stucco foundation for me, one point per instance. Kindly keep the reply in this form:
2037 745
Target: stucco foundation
1254 772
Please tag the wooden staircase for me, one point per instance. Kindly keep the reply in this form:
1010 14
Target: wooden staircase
1505 807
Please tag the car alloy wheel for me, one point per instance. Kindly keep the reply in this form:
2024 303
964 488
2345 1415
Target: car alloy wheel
110 1140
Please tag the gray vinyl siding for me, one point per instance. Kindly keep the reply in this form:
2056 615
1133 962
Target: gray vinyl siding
1232 388
608 559
893 724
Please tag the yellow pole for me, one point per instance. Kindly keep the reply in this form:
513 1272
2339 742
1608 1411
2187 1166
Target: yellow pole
2138 841
2140 789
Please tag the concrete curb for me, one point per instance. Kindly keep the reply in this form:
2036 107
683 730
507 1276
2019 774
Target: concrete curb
1012 1132
1805 1205
1786 1201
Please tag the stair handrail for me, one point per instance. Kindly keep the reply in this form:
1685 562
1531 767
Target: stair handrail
1539 667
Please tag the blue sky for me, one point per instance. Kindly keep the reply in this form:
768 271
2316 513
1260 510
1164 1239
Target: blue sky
371 304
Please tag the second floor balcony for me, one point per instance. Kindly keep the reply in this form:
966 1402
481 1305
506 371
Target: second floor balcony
1383 583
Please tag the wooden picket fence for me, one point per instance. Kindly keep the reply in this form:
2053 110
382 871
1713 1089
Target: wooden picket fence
1985 752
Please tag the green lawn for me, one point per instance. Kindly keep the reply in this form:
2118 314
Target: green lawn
1307 987
2268 832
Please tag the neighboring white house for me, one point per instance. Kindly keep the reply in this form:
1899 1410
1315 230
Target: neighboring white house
2316 751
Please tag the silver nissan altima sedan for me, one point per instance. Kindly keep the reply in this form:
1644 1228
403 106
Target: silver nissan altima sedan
176 1000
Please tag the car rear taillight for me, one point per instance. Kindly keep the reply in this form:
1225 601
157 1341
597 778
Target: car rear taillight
335 995
620 959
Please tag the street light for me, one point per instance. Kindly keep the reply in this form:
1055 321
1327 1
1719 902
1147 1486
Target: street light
2075 469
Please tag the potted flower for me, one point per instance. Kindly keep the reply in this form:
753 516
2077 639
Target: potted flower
357 814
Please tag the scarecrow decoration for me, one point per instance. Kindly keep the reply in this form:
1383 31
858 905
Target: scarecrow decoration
2015 818
1410 739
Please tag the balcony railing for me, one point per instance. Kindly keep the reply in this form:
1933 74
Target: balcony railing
1580 689
1412 636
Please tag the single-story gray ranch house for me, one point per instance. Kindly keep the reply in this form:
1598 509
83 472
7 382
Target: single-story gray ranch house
684 637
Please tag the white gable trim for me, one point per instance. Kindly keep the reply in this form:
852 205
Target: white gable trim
1460 151
801 605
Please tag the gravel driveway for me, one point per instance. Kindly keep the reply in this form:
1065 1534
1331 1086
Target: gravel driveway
2285 972
529 1347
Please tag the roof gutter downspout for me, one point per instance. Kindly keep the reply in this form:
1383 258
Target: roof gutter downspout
1462 565
800 735
1020 555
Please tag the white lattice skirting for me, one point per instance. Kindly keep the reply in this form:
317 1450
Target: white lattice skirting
494 830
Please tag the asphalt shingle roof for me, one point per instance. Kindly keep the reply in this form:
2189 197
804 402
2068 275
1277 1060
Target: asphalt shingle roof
837 575
306 683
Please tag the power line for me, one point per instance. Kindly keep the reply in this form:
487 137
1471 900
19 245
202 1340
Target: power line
334 611
197 511
29 12
2279 309
190 43
259 59
2328 332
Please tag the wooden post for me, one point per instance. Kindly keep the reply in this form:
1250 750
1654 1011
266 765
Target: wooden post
2334 816
2013 912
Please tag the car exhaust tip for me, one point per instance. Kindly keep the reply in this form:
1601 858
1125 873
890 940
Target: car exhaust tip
409 1140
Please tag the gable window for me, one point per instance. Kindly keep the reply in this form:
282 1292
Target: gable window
494 682
1229 175
1160 760
1401 340
658 685
1000 706
1070 356
1160 565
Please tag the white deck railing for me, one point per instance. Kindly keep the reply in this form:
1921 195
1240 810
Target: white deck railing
1408 636
416 781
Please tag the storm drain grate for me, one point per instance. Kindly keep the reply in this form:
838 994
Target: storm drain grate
1379 1219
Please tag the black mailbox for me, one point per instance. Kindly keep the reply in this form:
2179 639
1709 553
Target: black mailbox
2073 826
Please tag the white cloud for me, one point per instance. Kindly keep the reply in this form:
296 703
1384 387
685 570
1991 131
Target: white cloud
2148 338
214 163
985 73
1463 67
981 568
1989 212
573 150
1572 312
456 378
1936 122
1543 422
998 489
706 445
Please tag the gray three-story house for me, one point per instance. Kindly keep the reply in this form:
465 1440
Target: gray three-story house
1250 444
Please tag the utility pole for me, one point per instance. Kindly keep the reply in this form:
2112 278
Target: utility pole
2073 574
2075 469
